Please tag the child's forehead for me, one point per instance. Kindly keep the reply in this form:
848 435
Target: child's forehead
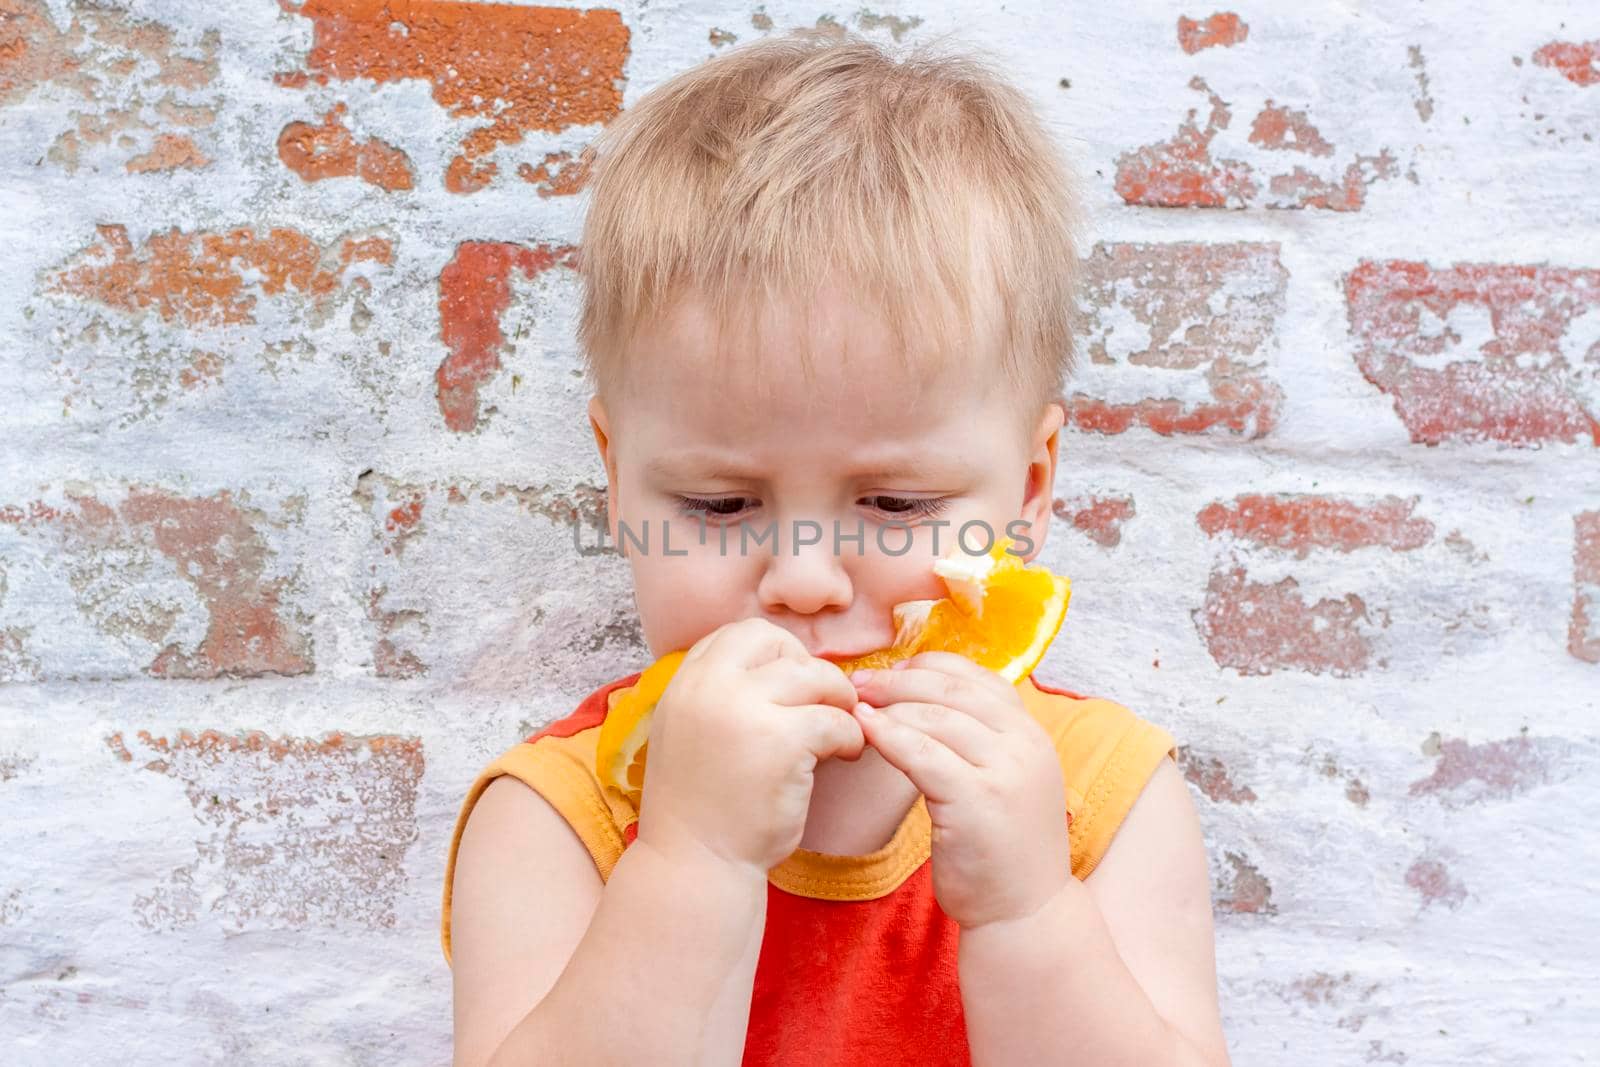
790 352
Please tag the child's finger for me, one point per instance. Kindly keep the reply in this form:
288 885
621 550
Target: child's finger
930 686
961 667
955 729
806 681
829 732
937 772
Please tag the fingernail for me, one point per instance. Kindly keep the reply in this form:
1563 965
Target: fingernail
860 676
898 665
865 710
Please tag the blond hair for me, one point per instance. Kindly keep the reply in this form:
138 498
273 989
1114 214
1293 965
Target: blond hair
928 185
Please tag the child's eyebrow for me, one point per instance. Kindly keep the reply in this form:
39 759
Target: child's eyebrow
716 465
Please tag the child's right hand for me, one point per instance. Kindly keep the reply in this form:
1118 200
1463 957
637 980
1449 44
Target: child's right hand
734 741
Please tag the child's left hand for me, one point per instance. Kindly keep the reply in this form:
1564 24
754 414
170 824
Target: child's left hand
991 777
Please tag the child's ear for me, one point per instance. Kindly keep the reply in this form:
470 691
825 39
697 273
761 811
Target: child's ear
600 423
1038 494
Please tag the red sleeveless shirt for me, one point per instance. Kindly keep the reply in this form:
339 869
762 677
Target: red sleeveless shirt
858 963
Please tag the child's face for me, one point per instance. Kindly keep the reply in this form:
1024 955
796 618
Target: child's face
684 442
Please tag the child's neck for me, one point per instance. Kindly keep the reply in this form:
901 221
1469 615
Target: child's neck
856 807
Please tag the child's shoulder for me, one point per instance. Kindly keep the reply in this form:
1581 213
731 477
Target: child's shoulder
1107 754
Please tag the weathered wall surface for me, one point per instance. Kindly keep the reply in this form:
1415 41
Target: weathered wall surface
294 446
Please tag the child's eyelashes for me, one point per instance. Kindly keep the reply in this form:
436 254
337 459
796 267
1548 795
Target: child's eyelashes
914 506
710 506
898 507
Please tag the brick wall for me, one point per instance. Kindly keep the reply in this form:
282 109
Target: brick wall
294 448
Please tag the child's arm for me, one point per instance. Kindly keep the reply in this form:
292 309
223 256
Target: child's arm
1118 969
550 966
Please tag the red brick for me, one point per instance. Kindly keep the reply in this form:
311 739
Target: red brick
1493 770
1302 188
217 545
1211 775
141 95
511 69
1259 627
1521 383
1182 171
1243 890
200 278
1301 522
1435 884
291 832
474 291
171 151
1206 316
1578 62
1287 130
1100 517
330 150
1222 30
1583 636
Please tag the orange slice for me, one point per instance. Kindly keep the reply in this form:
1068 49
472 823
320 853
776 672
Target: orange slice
1001 614
625 733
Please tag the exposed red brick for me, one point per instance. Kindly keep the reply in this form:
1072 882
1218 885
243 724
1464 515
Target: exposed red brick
1222 30
293 832
1583 635
331 151
1303 189
1284 129
124 69
1495 770
1523 386
521 68
1211 775
373 249
216 544
198 278
1257 628
171 151
559 175
1101 517
404 518
1432 879
1579 63
1181 172
32 52
1244 890
1301 522
474 290
1207 313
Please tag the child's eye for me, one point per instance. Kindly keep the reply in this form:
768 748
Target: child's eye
716 506
909 506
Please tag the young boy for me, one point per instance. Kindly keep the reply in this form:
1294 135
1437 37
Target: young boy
824 287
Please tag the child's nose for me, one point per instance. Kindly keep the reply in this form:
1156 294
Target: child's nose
804 583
